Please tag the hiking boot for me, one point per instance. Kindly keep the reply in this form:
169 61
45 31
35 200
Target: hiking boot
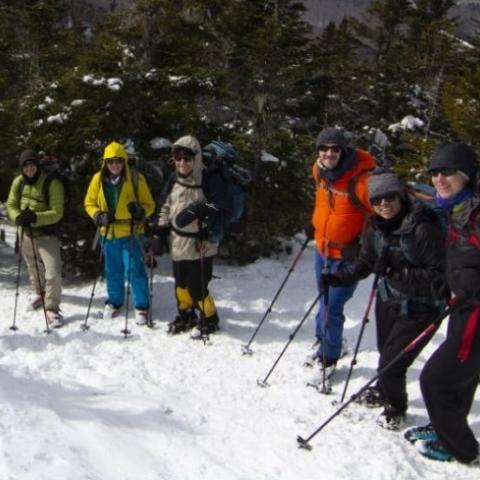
55 319
183 322
35 302
141 317
391 418
210 326
317 356
434 450
110 311
371 397
427 432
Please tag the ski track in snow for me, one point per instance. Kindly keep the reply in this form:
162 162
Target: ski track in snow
92 405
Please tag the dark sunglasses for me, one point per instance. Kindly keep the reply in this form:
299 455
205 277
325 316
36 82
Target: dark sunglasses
179 155
446 172
114 161
388 198
333 148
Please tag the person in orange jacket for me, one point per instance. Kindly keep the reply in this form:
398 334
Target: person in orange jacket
341 207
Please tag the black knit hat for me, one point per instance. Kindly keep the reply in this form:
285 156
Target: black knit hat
28 156
331 136
458 156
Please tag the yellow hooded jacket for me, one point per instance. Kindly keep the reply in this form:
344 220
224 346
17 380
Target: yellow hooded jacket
96 202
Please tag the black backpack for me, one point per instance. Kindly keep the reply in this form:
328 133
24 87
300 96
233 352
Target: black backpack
221 158
220 161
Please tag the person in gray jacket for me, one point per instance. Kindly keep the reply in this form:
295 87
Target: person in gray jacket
193 200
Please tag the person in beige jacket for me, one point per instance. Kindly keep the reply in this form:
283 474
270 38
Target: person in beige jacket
194 201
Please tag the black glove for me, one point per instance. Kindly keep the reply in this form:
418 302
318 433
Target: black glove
26 217
103 218
136 211
332 280
382 266
440 289
198 210
309 231
466 285
159 246
160 231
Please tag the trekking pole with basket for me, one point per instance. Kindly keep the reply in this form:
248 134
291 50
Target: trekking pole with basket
84 326
125 330
150 322
17 285
304 442
37 270
246 350
263 383
365 320
203 324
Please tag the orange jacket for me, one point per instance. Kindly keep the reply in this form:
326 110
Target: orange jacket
337 220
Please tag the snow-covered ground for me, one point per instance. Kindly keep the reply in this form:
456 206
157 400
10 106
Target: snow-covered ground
92 405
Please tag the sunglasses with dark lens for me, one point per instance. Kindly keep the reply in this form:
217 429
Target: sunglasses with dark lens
333 148
179 155
388 198
446 172
114 161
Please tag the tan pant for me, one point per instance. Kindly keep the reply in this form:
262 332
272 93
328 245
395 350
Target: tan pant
48 277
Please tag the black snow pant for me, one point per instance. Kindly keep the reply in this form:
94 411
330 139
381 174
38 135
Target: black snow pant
188 275
448 388
395 330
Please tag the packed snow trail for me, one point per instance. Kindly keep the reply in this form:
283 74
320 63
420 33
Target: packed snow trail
92 405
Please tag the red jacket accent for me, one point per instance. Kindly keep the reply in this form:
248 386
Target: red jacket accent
337 220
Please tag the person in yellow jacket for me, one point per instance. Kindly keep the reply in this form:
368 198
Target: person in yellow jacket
118 200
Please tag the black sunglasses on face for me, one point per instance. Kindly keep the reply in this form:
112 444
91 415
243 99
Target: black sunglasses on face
388 198
446 172
179 155
333 148
116 161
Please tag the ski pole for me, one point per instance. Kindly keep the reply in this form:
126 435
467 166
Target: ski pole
84 325
35 258
304 442
246 350
150 323
17 286
365 320
263 383
324 329
126 331
203 324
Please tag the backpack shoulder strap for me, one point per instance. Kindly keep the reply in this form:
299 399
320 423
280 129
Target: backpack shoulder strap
352 194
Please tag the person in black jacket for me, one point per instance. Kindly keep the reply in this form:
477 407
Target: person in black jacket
403 244
450 377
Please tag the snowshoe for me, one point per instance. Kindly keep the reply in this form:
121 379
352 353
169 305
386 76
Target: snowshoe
35 302
434 450
323 382
55 319
109 311
391 418
371 397
183 322
203 331
427 432
141 317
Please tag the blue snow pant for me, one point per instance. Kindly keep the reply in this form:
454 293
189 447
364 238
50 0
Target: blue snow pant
122 255
337 297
